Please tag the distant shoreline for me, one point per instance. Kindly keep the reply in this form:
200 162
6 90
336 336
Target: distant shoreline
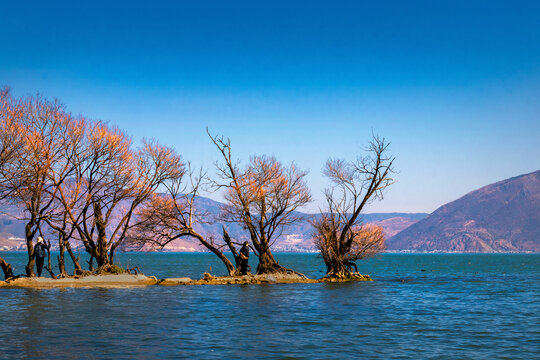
308 252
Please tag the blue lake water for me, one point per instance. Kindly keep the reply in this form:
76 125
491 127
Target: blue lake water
440 306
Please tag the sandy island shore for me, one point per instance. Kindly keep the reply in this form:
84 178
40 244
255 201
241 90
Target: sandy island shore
122 280
128 280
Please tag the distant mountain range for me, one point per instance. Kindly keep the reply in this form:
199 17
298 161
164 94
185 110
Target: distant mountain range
297 237
501 217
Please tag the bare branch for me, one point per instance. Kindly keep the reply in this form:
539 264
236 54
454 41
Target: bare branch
339 233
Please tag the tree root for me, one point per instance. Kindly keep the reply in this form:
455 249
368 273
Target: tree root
278 269
344 276
134 270
6 267
49 270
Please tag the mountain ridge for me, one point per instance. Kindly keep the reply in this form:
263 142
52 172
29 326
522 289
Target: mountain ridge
297 237
499 217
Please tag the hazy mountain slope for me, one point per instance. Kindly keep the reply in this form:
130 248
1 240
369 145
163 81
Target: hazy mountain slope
297 237
500 217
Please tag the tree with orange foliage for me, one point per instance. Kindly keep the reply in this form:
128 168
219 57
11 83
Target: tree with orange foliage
339 234
263 197
81 178
174 215
58 223
111 181
11 136
10 140
38 127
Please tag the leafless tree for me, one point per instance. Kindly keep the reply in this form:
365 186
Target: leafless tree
339 233
61 178
263 197
38 126
175 214
77 178
111 181
10 140
58 225
11 137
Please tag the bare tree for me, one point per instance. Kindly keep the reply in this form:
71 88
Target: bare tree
37 143
339 233
174 215
37 125
263 197
61 177
60 226
75 177
10 140
111 181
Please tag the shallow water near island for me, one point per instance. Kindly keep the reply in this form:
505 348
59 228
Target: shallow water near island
444 306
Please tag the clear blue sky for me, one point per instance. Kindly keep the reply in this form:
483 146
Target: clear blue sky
455 86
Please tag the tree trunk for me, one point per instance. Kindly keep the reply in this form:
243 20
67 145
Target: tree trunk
341 270
30 248
268 265
234 252
76 263
101 251
49 266
101 254
230 268
102 260
337 269
111 255
61 256
91 263
8 272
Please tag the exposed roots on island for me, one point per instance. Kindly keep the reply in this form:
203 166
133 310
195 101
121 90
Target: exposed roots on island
273 278
126 280
344 276
278 269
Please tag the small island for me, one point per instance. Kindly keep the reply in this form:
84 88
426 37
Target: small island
140 280
86 185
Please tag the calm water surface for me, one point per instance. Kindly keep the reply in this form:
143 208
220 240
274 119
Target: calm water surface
442 306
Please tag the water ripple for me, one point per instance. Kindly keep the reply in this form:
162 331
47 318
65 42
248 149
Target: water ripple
460 306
